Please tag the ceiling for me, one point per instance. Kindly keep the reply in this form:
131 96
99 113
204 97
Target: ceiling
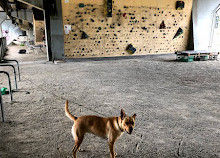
20 13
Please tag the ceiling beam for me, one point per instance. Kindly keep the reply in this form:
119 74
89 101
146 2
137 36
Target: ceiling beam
23 14
36 3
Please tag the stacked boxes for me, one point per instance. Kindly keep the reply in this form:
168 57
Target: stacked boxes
189 56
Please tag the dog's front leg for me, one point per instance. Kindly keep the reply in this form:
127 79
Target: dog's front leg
111 143
111 148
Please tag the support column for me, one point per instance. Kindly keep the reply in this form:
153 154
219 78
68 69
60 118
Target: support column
54 29
1 31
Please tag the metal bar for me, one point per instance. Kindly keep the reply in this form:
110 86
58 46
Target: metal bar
6 61
213 26
9 82
2 109
14 74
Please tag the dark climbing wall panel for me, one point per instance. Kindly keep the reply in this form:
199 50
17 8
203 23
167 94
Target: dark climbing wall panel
88 32
39 28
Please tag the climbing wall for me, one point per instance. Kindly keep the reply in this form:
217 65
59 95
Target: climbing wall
148 25
39 28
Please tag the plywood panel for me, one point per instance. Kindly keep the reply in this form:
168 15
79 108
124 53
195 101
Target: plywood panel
134 22
166 4
39 28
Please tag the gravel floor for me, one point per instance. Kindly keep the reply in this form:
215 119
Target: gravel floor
177 107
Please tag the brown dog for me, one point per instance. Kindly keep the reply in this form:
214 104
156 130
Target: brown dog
110 127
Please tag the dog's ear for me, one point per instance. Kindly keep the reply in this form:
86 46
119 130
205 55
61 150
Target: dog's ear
134 116
122 114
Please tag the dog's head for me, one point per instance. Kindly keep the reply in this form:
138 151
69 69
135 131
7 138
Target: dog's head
127 122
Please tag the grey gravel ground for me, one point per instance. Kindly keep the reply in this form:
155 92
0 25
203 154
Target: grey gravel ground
177 107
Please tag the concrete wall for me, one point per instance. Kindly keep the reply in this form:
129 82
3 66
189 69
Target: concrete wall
202 22
54 27
135 22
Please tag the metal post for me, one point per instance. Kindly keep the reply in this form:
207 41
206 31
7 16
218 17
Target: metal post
9 83
6 61
2 109
14 74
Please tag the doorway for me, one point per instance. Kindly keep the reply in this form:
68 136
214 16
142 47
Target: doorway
27 33
215 34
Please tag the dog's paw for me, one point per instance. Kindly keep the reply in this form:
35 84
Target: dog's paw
116 154
80 150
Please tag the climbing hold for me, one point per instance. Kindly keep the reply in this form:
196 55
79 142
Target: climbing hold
81 5
3 90
178 33
162 25
180 5
84 35
131 49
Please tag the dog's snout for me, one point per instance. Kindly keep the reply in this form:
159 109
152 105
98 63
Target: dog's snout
130 130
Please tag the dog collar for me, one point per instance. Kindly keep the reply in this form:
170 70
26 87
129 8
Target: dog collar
119 125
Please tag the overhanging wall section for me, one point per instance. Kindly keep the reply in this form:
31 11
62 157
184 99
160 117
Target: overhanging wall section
135 22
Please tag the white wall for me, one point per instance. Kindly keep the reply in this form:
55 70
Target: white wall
202 22
13 31
30 34
3 17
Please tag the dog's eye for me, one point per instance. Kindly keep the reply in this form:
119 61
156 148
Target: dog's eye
126 123
132 123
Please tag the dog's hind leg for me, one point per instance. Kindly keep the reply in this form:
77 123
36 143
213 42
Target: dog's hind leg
76 147
78 140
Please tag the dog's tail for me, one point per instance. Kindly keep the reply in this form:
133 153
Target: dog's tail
68 114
